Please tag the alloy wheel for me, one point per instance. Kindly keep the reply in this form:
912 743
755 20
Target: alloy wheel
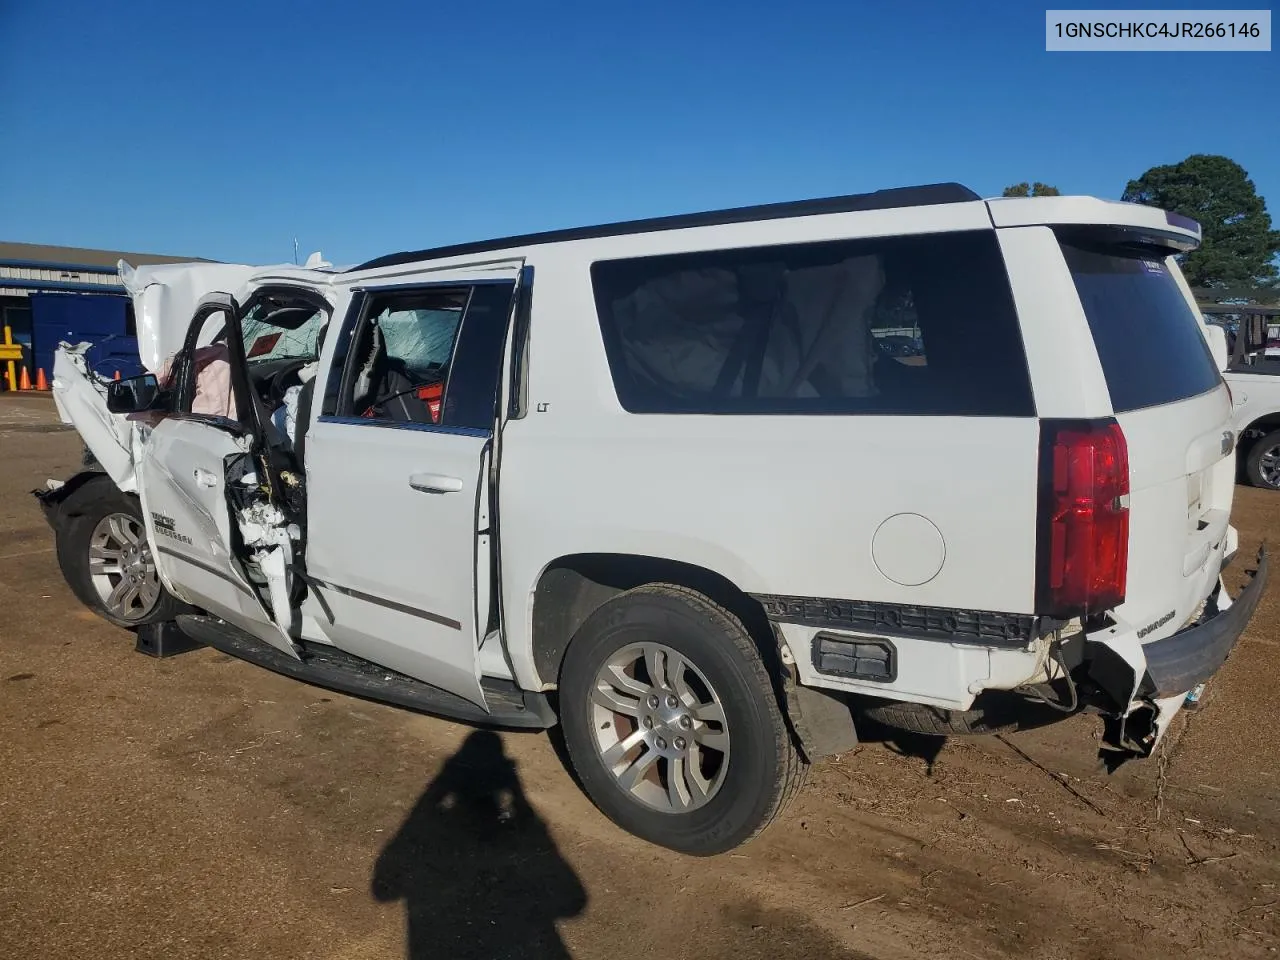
660 728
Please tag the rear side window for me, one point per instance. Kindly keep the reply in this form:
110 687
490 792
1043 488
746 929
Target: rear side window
1148 337
904 325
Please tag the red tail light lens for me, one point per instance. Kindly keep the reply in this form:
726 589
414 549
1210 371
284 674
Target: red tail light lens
1084 518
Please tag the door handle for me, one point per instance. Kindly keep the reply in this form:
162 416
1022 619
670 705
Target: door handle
435 483
206 479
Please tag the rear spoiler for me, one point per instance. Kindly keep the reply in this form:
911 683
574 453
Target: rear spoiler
1131 222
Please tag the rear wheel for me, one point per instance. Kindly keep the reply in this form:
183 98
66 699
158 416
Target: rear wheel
1262 464
106 559
672 724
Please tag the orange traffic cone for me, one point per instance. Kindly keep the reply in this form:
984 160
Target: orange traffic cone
24 381
41 382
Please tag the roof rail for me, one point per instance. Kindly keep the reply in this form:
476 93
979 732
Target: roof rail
934 193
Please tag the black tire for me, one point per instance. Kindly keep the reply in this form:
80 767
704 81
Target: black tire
1253 465
937 722
78 517
763 770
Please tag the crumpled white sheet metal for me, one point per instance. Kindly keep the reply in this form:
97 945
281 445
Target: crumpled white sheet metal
165 297
265 532
81 399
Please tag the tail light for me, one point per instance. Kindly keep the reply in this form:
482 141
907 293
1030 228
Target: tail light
1083 538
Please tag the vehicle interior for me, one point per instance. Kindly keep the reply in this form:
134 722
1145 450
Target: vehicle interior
282 339
402 357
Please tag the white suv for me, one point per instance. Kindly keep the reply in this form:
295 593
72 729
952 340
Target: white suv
702 489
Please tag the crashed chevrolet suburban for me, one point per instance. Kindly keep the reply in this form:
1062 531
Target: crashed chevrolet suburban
707 491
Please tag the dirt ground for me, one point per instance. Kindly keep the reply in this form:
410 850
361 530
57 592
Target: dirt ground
200 807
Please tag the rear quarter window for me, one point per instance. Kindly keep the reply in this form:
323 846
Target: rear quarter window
1147 336
920 325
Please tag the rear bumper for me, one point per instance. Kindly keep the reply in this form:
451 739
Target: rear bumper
1140 687
1191 656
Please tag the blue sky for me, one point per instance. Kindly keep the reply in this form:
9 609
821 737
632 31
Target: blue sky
226 129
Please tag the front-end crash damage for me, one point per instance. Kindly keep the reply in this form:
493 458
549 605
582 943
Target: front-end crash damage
272 547
80 396
263 482
164 297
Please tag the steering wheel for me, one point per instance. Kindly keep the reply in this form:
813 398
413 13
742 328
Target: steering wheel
274 387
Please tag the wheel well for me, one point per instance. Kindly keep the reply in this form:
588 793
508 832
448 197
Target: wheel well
59 503
574 587
1263 424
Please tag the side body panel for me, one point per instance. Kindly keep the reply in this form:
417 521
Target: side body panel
782 505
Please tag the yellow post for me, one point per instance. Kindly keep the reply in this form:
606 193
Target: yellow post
10 351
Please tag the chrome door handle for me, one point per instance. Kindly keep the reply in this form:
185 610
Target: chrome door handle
435 483
206 479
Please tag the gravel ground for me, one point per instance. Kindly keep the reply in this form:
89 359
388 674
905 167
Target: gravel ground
201 807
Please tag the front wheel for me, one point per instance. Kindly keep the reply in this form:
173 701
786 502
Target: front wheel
106 559
672 724
1262 464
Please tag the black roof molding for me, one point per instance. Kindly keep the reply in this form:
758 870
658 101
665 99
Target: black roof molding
921 196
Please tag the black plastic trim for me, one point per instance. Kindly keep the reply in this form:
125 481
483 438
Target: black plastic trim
474 388
1148 237
337 374
839 655
1191 656
935 193
389 604
978 627
336 669
405 425
518 396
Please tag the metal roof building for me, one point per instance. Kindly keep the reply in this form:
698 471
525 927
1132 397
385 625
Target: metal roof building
50 293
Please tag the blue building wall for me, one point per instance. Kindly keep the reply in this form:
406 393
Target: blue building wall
105 320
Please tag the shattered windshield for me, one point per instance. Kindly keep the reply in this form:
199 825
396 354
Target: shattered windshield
275 331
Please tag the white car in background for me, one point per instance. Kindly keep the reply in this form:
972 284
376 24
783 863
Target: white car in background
1254 378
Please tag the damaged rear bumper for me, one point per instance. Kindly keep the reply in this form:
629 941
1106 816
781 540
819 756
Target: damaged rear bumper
1145 684
1191 656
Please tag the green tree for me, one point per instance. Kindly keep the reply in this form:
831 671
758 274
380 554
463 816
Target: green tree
1036 189
1238 244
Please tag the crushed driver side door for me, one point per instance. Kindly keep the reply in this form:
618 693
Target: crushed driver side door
182 477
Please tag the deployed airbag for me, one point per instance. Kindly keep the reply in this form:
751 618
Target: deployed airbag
691 331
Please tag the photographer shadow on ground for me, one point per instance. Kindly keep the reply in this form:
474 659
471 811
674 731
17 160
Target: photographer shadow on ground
478 872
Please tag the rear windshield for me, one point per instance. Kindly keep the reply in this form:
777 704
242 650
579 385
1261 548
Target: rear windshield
904 326
1147 335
